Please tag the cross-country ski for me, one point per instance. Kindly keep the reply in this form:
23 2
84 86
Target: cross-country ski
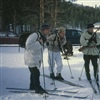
53 94
54 90
65 81
16 78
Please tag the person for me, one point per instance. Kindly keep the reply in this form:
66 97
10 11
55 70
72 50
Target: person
91 52
34 55
55 46
68 49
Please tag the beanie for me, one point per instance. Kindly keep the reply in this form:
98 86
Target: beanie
45 26
61 29
90 26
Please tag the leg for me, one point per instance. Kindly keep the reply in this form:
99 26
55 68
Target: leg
59 65
95 67
35 74
51 63
31 82
86 65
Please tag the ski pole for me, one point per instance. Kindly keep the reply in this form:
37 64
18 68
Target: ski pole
43 73
70 69
81 73
51 63
82 70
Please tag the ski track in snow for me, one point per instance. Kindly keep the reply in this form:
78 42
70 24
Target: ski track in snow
14 73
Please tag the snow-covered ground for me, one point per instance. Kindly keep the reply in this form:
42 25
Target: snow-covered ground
14 73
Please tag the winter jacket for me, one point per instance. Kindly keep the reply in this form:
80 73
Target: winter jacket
55 43
33 52
91 49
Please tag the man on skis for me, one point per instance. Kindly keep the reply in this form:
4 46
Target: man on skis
55 47
34 55
90 41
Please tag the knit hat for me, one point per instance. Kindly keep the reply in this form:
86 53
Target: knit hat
61 29
45 26
90 26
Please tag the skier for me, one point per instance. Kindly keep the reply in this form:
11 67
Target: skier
55 46
33 57
68 49
91 52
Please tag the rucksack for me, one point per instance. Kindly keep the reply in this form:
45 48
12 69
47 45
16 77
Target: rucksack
23 37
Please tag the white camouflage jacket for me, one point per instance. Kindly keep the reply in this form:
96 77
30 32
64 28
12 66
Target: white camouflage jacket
33 52
53 42
91 49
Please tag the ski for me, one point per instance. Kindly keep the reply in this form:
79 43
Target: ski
64 81
55 90
52 94
92 86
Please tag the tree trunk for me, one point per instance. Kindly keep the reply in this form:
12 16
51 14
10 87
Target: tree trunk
14 21
55 13
41 12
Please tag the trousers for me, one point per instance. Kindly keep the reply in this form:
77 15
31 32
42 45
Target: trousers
34 78
93 59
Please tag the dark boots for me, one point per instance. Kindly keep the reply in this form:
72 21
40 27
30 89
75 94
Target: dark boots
34 81
40 90
52 76
59 77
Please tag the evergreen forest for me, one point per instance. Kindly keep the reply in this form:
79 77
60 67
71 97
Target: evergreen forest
26 15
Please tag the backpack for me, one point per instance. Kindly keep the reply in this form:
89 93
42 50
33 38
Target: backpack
22 38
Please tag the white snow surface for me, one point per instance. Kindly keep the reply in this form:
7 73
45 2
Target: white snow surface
14 73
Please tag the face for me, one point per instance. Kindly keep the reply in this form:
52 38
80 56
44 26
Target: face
91 30
62 34
46 32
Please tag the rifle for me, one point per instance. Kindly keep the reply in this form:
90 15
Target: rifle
84 47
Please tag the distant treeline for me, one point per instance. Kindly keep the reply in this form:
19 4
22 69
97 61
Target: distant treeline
23 15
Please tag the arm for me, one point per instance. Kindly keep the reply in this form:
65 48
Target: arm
63 41
83 40
32 43
51 37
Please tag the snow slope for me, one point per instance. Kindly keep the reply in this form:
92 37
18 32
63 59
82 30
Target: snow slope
13 73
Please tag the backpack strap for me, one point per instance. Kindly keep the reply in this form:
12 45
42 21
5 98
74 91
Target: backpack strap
38 36
42 37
